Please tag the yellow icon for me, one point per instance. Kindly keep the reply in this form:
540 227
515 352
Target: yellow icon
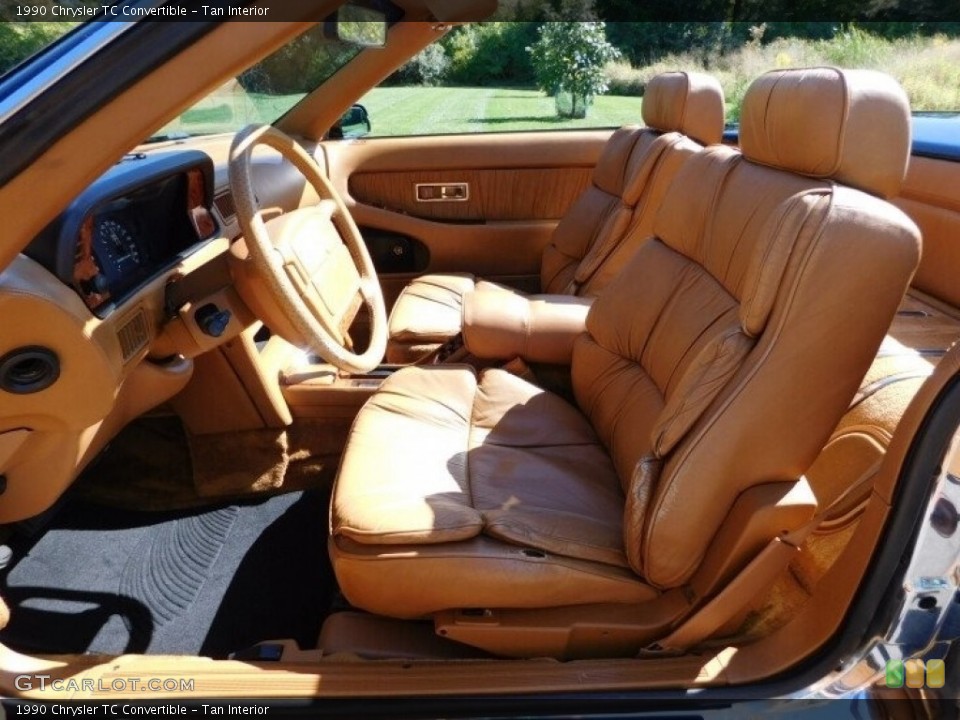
915 673
936 673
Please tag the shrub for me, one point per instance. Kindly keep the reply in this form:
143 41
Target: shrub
856 48
930 73
570 57
428 67
927 67
624 79
493 53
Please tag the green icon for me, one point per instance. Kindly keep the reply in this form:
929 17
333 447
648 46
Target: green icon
895 674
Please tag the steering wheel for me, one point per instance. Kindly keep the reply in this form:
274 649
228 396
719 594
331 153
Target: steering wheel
312 261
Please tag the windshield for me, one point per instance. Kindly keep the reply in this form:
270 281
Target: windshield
265 91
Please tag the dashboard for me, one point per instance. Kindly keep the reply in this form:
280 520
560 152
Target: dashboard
102 312
135 222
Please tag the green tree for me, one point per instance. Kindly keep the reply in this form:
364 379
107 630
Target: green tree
20 40
490 53
568 61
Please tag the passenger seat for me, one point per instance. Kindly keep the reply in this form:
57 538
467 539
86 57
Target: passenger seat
682 112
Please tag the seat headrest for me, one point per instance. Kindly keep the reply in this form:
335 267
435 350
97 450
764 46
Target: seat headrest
852 126
685 102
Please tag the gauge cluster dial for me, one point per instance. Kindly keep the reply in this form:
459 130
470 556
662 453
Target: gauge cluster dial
116 247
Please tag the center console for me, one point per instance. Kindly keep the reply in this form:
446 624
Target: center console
315 389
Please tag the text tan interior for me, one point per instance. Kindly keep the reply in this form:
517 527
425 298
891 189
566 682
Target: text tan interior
476 513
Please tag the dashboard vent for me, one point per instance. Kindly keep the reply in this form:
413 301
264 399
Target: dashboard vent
133 335
225 206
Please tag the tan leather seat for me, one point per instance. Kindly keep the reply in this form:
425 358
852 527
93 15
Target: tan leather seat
602 229
718 361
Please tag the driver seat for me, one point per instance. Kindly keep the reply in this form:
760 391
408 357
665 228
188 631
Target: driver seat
716 364
599 234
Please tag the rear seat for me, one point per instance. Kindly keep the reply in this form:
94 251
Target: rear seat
601 231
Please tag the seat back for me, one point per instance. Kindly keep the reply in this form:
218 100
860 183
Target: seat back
724 354
615 213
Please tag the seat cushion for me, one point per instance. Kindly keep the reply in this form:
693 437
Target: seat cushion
405 581
428 309
439 456
428 313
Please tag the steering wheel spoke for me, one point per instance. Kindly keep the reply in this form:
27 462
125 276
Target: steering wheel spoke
313 260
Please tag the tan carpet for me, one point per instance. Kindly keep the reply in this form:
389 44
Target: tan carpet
153 464
301 457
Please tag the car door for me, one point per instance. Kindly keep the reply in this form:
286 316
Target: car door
478 203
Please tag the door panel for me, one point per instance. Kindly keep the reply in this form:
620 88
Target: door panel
538 194
929 197
518 186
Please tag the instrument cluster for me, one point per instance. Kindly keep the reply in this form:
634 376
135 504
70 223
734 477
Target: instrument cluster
135 222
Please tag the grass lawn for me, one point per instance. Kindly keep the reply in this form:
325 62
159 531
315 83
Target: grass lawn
430 111
415 111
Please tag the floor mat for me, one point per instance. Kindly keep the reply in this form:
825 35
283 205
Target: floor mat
205 582
154 464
